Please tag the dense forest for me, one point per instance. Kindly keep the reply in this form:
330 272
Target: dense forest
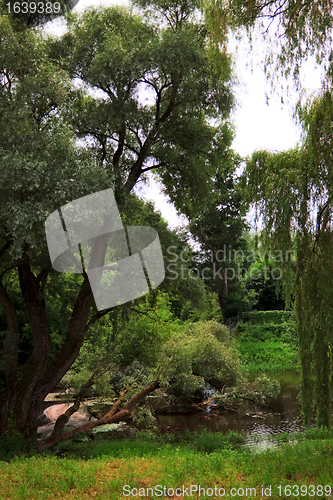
125 94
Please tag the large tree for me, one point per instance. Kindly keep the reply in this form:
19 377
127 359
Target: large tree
146 91
219 229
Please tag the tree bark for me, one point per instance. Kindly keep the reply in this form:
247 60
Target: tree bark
27 385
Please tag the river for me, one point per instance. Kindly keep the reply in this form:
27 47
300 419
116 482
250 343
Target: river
282 415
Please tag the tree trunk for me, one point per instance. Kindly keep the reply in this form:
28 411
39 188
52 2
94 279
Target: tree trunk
223 293
26 386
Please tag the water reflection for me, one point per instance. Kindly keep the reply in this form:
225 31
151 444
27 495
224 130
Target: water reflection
282 415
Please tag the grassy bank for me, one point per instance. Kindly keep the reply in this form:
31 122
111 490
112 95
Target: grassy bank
100 470
267 341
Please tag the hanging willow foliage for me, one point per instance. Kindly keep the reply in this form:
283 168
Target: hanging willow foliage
293 192
292 30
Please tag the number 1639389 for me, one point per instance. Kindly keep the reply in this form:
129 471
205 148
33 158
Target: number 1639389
33 7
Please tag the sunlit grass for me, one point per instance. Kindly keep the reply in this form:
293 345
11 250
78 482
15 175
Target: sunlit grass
274 355
101 469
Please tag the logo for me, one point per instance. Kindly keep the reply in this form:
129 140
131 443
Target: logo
87 235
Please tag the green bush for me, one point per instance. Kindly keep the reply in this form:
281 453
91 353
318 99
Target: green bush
14 446
286 332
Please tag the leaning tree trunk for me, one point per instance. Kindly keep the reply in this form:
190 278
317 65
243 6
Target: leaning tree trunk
27 385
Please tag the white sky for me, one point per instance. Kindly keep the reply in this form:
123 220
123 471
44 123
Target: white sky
258 125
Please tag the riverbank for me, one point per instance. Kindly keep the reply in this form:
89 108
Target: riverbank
142 465
279 415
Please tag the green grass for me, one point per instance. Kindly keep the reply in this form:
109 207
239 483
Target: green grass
269 355
265 345
99 470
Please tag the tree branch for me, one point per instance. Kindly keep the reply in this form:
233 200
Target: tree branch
113 416
74 339
136 169
35 305
63 419
5 247
121 142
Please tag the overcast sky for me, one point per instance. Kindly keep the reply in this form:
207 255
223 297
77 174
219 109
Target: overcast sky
258 125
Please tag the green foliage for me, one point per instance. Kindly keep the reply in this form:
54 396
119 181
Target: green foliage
268 356
195 355
143 417
122 349
182 357
293 191
13 445
268 341
263 317
208 309
122 54
260 391
293 30
219 229
263 279
255 332
37 143
264 388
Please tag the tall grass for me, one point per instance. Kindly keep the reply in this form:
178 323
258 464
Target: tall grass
99 470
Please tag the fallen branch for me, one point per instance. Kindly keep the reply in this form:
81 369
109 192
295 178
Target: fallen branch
208 402
63 419
113 416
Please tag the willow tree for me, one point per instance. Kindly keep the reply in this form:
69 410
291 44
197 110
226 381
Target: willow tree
293 189
292 30
294 194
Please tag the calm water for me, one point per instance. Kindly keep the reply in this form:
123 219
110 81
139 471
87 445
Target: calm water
283 415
